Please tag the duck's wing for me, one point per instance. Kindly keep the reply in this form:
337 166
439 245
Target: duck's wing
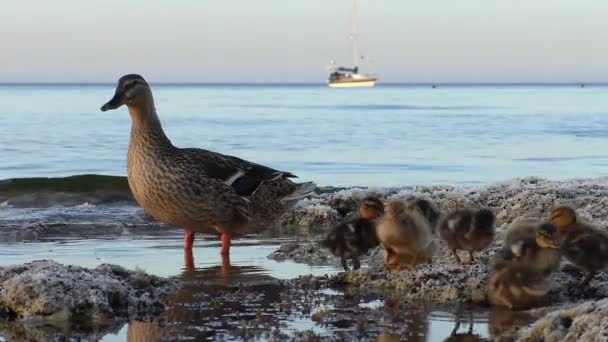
243 176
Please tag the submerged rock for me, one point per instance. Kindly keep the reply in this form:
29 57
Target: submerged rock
47 289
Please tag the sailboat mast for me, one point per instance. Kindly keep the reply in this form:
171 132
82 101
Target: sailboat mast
355 33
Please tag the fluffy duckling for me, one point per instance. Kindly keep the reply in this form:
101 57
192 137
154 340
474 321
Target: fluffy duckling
405 233
534 244
428 211
468 230
355 237
582 244
516 285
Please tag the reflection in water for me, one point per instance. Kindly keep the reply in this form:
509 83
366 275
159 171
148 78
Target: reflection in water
214 303
503 320
469 335
255 302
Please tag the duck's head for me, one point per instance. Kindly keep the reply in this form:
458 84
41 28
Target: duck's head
132 90
562 217
395 207
547 236
371 208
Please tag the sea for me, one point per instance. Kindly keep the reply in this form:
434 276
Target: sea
63 192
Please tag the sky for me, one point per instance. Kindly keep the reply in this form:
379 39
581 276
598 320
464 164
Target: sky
293 41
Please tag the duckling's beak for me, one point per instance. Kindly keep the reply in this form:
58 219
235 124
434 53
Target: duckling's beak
114 103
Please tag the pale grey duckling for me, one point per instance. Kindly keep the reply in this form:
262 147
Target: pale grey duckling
582 244
196 189
468 230
353 238
405 233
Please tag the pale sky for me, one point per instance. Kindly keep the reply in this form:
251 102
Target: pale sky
293 41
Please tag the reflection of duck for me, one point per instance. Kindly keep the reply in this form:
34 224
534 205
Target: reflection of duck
583 245
405 233
516 285
354 238
197 304
503 320
198 190
468 336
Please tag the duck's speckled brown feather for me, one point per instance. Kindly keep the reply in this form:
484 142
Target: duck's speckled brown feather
201 190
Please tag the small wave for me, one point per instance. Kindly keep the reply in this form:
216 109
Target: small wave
77 190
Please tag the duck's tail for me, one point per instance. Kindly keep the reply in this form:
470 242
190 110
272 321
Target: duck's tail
302 190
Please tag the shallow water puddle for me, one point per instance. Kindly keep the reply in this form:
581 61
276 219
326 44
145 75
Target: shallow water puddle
255 300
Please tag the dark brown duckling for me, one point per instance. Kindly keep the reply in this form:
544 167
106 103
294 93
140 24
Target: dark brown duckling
534 244
582 244
468 230
428 211
354 238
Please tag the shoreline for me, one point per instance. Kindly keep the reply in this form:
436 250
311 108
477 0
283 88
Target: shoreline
444 282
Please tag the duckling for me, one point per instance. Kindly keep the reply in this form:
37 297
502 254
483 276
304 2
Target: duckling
428 211
405 232
468 230
583 245
534 244
355 237
199 190
516 285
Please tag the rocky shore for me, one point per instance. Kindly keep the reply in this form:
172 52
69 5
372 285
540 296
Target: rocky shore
445 280
369 302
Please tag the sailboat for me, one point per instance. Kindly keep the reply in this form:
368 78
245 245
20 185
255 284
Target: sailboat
345 77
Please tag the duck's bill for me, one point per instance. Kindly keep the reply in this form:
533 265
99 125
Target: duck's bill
114 103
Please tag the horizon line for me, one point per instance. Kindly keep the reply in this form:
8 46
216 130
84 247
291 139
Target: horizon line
202 83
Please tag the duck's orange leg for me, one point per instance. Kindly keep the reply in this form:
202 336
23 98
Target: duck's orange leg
188 257
188 240
225 252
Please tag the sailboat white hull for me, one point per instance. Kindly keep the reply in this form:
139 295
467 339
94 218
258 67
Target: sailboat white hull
361 83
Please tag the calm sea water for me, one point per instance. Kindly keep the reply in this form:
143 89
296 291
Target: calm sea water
386 136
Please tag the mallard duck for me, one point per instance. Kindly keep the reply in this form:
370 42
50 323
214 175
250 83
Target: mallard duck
582 244
468 230
428 211
516 285
355 237
195 189
405 233
533 243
